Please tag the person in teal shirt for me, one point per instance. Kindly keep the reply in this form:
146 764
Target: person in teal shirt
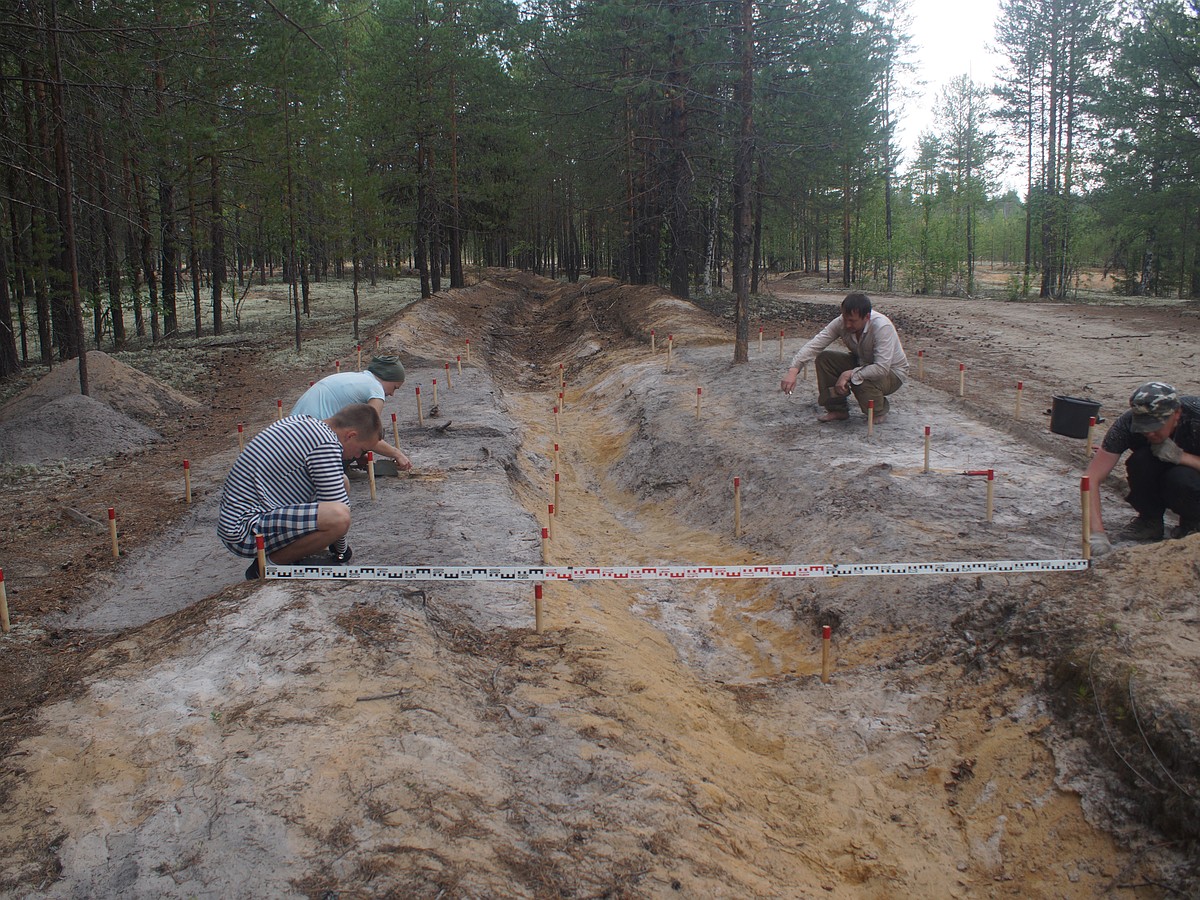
334 392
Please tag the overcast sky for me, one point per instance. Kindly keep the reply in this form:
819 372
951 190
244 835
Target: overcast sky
950 38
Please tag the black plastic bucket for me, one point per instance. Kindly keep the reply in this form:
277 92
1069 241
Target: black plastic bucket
1071 416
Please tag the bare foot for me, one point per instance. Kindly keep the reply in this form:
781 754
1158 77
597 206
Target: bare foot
833 416
880 418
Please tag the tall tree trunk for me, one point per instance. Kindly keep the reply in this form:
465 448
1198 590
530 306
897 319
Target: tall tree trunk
66 192
291 206
147 250
20 221
679 185
888 179
742 173
193 243
456 265
10 363
61 320
847 195
354 255
756 264
108 226
421 251
216 234
216 214
1050 213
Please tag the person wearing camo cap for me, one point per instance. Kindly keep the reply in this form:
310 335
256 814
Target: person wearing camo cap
1161 432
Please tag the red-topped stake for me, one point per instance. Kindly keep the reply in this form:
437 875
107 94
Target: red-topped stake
826 635
187 482
261 547
112 531
537 607
371 472
991 481
1085 503
4 624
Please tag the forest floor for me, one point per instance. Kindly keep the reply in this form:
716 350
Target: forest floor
173 731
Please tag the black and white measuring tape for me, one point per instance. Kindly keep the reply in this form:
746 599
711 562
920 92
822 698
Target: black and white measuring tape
656 573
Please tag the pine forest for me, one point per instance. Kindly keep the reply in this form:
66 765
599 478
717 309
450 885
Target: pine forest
160 156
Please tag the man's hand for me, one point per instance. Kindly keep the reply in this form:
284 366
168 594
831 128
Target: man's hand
788 384
842 387
1099 544
1167 451
403 463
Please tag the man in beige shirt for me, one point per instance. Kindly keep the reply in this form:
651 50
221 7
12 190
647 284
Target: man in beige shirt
872 367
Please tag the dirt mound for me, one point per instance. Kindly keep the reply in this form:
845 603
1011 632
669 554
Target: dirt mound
73 427
639 309
125 389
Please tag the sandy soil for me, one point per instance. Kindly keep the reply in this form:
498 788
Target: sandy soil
175 732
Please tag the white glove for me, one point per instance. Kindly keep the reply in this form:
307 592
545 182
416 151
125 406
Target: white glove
1167 451
1099 544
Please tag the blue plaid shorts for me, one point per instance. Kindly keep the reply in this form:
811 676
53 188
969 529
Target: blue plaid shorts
279 527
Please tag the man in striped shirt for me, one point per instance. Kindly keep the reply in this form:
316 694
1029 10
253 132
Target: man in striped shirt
288 486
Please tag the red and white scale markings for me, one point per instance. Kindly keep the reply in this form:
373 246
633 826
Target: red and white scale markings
657 573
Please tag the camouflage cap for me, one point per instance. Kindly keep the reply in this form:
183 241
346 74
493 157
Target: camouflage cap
387 368
1152 405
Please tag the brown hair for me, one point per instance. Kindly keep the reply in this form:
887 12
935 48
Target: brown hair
859 304
360 417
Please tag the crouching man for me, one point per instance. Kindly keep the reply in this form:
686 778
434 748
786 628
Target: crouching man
1161 432
288 486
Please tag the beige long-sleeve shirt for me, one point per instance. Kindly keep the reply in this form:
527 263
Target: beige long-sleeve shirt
878 351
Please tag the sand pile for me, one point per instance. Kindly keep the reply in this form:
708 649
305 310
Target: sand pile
52 421
72 427
124 388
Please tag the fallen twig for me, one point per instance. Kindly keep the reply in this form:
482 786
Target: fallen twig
379 696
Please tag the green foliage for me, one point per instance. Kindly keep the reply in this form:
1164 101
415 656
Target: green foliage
600 137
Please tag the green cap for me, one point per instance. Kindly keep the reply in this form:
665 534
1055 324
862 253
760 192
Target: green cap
387 368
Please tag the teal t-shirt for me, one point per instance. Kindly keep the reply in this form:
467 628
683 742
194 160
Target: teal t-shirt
333 392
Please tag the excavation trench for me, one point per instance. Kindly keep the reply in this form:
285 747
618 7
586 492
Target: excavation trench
658 736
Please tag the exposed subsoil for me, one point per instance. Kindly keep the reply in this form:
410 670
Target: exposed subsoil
173 731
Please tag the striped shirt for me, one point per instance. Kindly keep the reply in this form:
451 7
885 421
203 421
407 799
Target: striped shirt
291 462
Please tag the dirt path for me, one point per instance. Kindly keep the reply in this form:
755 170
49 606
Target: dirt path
659 738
